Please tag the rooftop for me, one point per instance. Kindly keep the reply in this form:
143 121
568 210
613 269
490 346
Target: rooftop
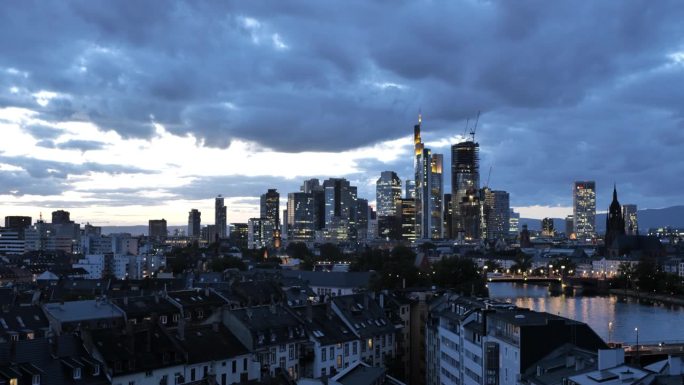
73 311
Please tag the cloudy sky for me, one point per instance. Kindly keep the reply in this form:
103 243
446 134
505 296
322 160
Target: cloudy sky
124 111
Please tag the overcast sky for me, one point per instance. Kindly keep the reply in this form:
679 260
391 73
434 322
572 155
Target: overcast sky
122 111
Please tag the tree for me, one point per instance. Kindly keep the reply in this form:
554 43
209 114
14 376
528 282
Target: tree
523 262
330 252
460 274
221 264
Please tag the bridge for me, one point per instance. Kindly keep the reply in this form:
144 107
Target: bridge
521 278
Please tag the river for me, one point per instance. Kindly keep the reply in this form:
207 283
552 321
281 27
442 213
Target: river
655 322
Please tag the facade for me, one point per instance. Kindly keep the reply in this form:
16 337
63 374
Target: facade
569 226
340 210
513 224
629 213
465 185
220 217
17 222
447 217
387 193
496 214
408 219
363 213
259 233
428 188
300 217
410 189
547 228
584 209
156 230
270 210
194 223
11 241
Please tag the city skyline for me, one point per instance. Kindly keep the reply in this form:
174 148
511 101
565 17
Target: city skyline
105 118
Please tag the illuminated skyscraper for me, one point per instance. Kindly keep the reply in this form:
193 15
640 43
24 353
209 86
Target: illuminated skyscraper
629 213
270 211
340 210
220 217
496 213
410 189
259 233
465 187
408 219
447 217
300 217
387 193
194 223
428 190
584 209
513 224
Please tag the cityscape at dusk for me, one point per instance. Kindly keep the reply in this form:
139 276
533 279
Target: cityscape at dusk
427 192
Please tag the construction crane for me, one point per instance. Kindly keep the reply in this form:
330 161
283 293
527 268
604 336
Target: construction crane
472 132
465 130
489 175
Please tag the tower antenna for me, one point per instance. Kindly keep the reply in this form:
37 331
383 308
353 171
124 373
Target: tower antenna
472 132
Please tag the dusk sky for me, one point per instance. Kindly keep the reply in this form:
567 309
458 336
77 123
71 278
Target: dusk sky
124 111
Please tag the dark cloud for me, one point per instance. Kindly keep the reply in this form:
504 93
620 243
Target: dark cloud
81 145
568 90
40 169
18 183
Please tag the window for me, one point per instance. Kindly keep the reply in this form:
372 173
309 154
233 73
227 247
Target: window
355 348
346 349
282 364
14 337
175 318
244 364
339 361
206 371
234 366
370 344
323 372
162 319
13 381
131 382
323 350
96 370
29 335
35 380
200 314
282 348
332 352
192 374
77 373
292 355
148 373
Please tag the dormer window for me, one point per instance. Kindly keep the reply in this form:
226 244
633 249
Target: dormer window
35 380
77 373
96 370
14 337
162 319
200 314
175 318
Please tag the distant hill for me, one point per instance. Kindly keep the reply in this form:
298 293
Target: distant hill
648 218
136 230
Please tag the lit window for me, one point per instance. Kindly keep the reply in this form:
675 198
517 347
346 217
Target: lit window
77 373
36 379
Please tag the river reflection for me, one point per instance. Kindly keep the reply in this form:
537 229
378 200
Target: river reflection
655 322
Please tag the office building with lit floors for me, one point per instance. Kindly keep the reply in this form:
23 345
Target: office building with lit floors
584 209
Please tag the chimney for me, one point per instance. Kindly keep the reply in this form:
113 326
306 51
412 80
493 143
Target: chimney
610 358
181 328
309 312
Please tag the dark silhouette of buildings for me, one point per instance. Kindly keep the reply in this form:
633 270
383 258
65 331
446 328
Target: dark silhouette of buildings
615 222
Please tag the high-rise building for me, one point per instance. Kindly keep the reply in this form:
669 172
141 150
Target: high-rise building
387 193
17 222
60 217
514 224
410 189
570 226
496 213
584 209
239 234
194 223
362 218
408 219
313 187
157 230
615 222
465 185
300 217
428 190
220 217
629 213
447 217
547 228
270 210
259 233
340 210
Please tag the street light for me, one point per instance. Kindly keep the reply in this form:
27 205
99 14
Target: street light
636 329
610 331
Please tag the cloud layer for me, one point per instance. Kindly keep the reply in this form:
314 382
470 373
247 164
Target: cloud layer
568 90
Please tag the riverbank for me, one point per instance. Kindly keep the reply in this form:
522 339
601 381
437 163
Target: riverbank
648 296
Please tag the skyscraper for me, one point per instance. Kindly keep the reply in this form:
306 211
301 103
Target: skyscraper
428 190
387 193
313 187
447 217
270 211
408 219
410 189
547 227
300 217
220 217
60 217
584 209
629 213
615 222
513 224
340 210
569 226
259 233
194 223
496 212
362 218
157 230
465 185
17 222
